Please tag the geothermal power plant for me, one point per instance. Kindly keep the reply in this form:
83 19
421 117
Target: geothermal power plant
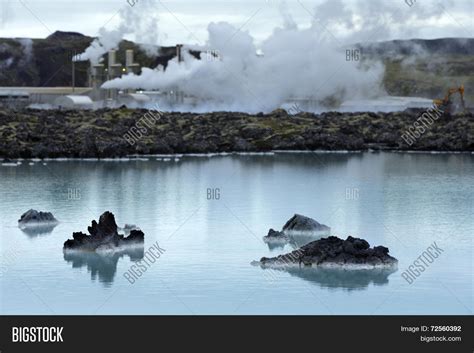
94 96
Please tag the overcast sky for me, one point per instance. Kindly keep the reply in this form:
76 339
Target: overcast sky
184 21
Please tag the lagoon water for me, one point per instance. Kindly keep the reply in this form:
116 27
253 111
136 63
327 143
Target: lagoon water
210 214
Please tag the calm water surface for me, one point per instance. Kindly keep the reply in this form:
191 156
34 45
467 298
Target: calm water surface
402 201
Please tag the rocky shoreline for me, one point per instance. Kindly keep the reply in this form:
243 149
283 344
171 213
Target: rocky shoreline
109 133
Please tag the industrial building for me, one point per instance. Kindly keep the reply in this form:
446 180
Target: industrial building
13 97
18 97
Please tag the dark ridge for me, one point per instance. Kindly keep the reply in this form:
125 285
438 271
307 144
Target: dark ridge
65 35
50 62
441 46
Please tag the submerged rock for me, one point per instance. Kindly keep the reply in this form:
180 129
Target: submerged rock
33 218
274 236
127 228
303 224
39 230
299 226
103 235
352 253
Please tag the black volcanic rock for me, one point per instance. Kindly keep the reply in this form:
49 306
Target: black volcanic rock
299 223
127 229
103 235
333 252
33 218
274 236
99 134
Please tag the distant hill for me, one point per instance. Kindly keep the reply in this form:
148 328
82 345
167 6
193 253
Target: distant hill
425 68
417 67
442 46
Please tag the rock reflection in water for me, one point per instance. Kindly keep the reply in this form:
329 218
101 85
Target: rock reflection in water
338 278
102 265
276 246
39 230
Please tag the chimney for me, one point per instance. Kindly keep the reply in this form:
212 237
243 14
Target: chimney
112 56
96 78
129 64
96 75
179 52
114 68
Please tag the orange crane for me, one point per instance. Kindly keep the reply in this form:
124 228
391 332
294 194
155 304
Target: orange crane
446 103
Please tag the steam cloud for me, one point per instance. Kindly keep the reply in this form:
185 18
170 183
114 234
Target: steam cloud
308 63
140 20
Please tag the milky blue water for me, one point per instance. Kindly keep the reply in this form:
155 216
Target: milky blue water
403 201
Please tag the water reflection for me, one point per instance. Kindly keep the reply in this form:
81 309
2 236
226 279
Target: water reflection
102 265
340 279
275 246
39 230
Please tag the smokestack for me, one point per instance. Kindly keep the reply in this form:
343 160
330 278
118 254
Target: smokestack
179 54
114 68
114 71
96 78
112 56
129 64
128 57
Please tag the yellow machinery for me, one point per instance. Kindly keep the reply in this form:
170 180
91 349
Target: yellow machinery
446 103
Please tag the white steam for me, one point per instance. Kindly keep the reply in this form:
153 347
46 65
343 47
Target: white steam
140 19
297 63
